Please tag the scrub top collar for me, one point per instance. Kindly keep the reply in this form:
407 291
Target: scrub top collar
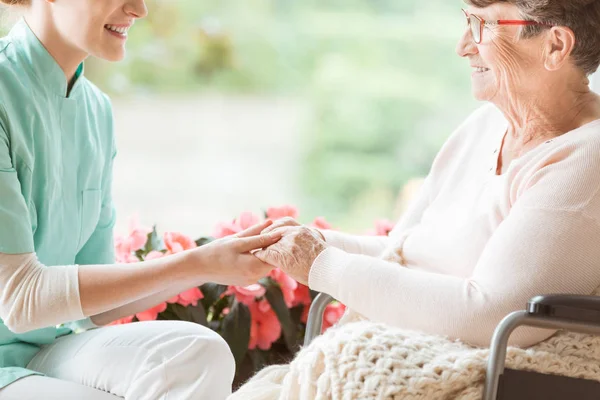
41 63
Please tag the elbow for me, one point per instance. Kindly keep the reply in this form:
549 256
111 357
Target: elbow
18 325
18 321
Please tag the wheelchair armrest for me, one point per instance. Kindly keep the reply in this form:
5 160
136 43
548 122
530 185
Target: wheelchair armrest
315 317
578 308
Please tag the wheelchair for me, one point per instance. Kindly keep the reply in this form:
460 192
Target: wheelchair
564 312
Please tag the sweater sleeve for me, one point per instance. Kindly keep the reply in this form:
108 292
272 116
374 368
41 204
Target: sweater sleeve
35 296
533 252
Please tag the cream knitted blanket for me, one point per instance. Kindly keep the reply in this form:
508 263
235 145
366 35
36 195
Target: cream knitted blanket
366 360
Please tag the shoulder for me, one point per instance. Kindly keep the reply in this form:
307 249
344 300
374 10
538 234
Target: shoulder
97 97
477 126
477 131
563 173
99 109
13 79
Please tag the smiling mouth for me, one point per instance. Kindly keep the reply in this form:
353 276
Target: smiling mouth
480 69
118 30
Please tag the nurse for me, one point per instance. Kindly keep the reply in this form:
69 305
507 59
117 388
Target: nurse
56 230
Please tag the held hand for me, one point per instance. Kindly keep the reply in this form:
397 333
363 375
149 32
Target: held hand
229 261
289 221
295 253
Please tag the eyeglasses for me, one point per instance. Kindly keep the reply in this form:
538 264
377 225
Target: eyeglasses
477 24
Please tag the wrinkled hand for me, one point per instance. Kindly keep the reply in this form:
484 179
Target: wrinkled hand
296 252
230 261
289 221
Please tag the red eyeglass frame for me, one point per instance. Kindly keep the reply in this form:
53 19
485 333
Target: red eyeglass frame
514 22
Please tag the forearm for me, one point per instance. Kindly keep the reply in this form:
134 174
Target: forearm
107 288
356 244
35 296
140 305
411 299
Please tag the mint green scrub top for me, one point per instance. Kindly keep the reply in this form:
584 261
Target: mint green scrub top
56 155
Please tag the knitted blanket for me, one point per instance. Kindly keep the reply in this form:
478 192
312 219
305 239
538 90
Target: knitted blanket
367 360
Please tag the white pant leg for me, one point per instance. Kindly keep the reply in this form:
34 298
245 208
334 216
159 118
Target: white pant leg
155 360
41 387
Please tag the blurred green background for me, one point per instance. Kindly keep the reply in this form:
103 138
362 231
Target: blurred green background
379 80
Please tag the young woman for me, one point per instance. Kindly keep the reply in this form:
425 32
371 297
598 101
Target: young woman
56 220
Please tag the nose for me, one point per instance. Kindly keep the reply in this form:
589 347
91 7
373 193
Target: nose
466 46
136 8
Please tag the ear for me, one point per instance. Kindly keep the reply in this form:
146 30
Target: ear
559 44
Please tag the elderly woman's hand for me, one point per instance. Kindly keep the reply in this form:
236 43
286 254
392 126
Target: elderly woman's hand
289 221
296 252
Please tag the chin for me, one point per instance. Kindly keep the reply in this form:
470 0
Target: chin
482 93
111 55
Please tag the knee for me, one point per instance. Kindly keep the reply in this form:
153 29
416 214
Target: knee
209 352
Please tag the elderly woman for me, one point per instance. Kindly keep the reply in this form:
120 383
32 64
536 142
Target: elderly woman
511 206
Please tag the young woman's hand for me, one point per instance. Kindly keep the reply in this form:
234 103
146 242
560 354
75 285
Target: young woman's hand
229 261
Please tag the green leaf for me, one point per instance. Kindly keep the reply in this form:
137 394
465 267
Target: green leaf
153 241
140 254
259 359
274 296
220 305
169 314
212 293
194 314
204 240
198 315
236 331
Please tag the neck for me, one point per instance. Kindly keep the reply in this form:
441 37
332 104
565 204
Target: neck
548 113
67 56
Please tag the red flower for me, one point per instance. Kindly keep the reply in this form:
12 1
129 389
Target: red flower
276 213
265 328
332 315
383 227
245 221
302 296
176 242
320 223
246 294
152 313
287 285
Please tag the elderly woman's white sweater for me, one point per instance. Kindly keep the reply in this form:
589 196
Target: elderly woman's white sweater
476 245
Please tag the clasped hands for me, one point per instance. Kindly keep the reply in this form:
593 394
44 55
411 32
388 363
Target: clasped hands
248 256
296 251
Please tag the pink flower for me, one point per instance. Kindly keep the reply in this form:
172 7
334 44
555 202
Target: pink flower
152 313
302 297
265 328
190 296
286 283
153 255
320 223
246 294
224 229
176 242
135 240
122 321
121 255
383 227
333 313
276 213
244 221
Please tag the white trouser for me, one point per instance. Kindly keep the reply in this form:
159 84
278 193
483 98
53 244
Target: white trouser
153 360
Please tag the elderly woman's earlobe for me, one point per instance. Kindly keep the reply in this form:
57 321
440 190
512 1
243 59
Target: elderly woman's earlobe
558 47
